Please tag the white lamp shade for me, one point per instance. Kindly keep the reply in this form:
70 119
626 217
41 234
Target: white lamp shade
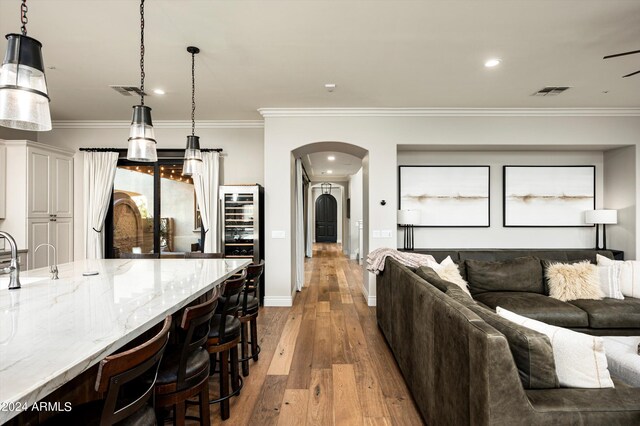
607 217
408 217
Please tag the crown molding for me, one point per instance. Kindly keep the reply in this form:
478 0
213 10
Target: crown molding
159 124
449 112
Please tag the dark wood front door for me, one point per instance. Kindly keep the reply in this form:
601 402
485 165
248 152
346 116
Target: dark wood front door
326 219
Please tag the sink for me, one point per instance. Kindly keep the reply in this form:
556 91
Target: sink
4 280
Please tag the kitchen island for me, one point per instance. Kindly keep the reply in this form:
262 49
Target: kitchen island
53 330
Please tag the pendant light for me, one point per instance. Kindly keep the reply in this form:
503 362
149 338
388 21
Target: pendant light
142 142
24 100
192 154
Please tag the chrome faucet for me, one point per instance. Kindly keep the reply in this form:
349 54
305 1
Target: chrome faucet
53 269
14 267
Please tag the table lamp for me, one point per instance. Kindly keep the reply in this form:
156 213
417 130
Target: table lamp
601 217
407 219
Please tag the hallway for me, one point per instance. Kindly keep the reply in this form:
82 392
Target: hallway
323 361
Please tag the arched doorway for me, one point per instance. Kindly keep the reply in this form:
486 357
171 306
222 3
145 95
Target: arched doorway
326 219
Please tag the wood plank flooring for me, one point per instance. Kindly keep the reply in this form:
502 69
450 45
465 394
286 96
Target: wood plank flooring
323 361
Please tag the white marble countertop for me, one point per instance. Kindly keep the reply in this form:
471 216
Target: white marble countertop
51 331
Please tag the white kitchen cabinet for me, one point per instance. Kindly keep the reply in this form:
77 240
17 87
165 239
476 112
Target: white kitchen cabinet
56 231
50 183
40 200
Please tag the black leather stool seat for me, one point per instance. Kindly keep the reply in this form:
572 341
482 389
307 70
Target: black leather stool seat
197 362
231 329
89 415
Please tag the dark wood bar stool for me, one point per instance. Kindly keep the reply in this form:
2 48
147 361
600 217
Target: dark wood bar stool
127 380
139 255
184 371
249 315
198 255
223 342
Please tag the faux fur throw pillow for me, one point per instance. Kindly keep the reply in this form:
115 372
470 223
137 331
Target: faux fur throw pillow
573 281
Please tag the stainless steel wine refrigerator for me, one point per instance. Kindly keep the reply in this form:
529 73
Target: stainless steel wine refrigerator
243 223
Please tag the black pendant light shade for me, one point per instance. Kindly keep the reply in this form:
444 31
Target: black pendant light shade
192 154
24 100
142 140
192 157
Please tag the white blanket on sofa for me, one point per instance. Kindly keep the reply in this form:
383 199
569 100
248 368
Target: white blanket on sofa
376 259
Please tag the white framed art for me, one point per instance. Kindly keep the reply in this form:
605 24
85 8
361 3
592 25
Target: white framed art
548 196
447 196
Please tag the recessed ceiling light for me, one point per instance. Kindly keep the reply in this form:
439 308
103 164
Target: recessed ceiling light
329 171
159 91
492 63
331 158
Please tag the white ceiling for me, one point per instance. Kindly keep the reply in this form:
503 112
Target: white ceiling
318 165
386 53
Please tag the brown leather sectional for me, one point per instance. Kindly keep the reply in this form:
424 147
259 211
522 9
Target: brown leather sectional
466 365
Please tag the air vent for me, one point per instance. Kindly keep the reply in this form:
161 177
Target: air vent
128 90
551 91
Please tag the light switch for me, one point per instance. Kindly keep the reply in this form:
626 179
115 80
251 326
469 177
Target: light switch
376 234
277 234
386 233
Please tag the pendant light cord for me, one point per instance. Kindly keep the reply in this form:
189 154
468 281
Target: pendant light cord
141 52
193 93
23 17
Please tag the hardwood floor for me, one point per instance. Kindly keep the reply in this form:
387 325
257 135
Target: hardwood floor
324 361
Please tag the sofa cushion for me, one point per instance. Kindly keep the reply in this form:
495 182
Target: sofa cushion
519 274
536 306
430 276
580 358
447 271
531 350
611 313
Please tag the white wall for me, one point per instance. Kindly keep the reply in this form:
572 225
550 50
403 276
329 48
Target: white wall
497 236
380 133
620 191
355 193
242 160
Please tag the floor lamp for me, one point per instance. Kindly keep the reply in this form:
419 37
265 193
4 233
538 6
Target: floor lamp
407 219
601 217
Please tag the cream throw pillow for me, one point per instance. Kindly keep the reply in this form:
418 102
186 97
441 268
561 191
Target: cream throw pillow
448 270
629 274
610 280
573 281
580 358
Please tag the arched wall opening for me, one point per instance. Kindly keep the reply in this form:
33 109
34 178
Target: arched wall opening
349 230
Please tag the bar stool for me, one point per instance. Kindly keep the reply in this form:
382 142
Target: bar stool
249 315
223 342
184 371
127 379
198 255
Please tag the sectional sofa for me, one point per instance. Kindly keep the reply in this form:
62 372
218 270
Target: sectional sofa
466 365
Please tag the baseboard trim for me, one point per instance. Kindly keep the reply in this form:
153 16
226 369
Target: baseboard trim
371 300
278 301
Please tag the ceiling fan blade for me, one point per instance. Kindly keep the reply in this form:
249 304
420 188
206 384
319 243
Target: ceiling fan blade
621 54
633 73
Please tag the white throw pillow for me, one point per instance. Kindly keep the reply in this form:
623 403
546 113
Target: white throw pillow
610 280
580 358
629 274
573 281
448 270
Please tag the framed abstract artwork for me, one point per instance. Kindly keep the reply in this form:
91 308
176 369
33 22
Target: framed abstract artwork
548 196
447 196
